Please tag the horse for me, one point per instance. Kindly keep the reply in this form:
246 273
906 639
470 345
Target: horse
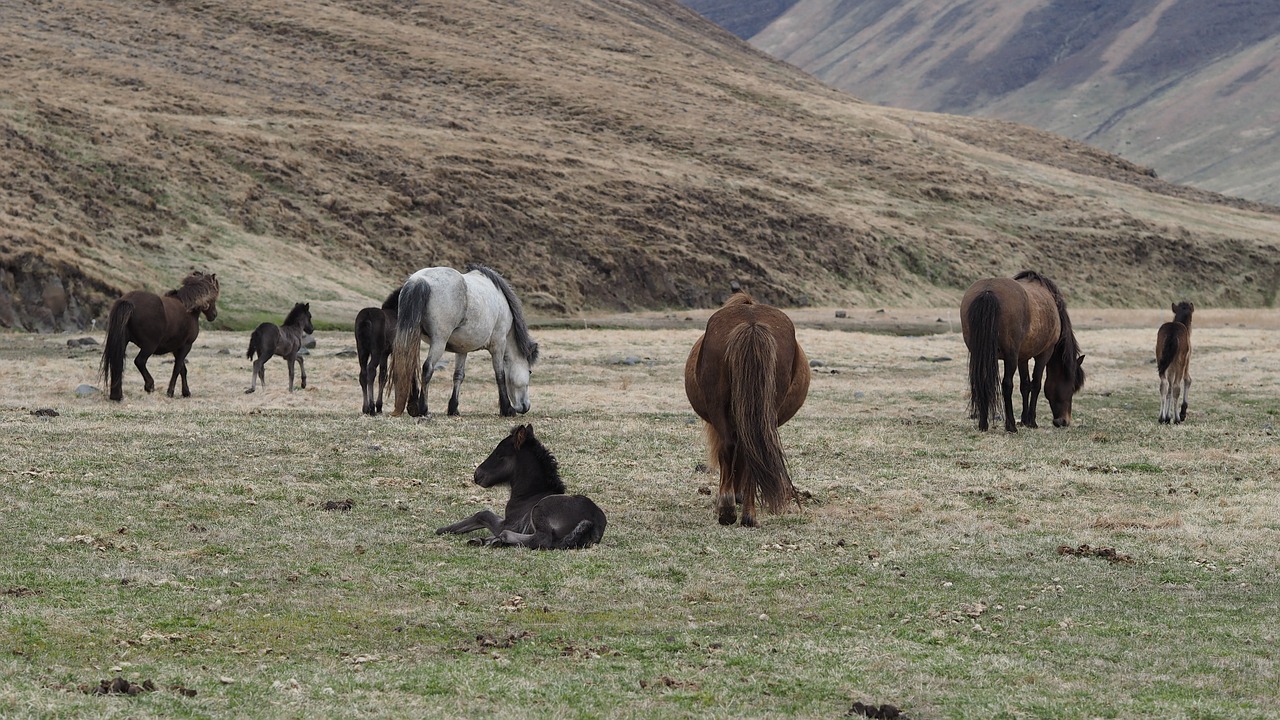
157 325
461 313
1015 320
539 514
745 377
284 340
375 332
1173 358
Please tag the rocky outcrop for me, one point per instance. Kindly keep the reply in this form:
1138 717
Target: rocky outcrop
39 296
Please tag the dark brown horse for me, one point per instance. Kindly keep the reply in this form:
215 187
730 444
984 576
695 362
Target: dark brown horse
269 339
539 514
1017 320
1173 360
745 377
375 332
158 325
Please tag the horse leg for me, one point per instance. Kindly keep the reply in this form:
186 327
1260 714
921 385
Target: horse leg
366 384
510 537
1007 387
1037 379
500 374
1186 390
180 370
140 362
459 372
479 521
382 383
1166 402
1024 388
302 370
289 359
727 499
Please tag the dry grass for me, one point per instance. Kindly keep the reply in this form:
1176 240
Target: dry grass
185 541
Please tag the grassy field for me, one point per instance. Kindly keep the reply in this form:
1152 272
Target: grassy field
186 542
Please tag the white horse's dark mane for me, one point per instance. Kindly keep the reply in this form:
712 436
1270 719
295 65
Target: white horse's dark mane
528 348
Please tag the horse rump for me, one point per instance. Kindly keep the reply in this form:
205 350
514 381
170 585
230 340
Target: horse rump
566 522
112 367
751 355
983 319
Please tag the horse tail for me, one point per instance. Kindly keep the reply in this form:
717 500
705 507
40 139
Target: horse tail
112 368
255 343
984 352
581 536
752 357
406 369
1168 350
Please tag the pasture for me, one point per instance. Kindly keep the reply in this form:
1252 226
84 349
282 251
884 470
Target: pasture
273 555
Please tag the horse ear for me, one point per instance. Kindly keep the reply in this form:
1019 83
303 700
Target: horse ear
1080 361
1174 306
521 433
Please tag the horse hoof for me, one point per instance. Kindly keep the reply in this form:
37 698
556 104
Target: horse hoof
249 391
749 522
728 516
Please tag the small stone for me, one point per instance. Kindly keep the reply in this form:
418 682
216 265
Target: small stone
86 390
842 314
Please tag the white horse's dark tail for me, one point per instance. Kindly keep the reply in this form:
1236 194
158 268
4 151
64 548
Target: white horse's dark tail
406 367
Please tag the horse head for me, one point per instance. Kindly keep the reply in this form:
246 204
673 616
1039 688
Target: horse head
204 293
518 371
501 465
1061 383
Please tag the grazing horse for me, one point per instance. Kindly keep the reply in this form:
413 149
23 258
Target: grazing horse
461 313
745 377
538 515
157 325
1015 320
284 340
1173 358
375 331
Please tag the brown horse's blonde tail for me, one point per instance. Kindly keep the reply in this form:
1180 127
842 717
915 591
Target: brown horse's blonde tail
752 357
406 368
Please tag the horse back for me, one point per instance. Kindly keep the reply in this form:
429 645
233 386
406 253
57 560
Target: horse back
706 377
159 324
1173 347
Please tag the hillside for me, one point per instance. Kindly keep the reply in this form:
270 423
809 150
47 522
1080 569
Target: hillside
1186 87
604 156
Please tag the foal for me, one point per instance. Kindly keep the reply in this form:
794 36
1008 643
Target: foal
539 515
1173 358
375 331
285 341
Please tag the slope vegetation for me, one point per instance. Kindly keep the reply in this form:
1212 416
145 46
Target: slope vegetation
602 155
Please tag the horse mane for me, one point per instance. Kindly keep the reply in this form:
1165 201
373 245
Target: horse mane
197 291
297 312
544 457
1067 349
392 302
528 348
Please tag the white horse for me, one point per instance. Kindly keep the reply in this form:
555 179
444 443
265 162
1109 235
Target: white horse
461 313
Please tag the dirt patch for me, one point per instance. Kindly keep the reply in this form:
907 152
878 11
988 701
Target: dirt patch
1109 554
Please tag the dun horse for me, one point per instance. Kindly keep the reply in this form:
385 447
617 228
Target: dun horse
538 515
157 325
1173 359
745 377
1014 321
375 332
284 340
461 313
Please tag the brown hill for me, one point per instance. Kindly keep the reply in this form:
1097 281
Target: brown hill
1186 87
602 155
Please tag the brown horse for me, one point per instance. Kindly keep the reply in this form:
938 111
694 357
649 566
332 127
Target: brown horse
1173 358
1015 320
745 377
158 325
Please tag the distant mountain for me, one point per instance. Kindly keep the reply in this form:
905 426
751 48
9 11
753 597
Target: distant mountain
1187 87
